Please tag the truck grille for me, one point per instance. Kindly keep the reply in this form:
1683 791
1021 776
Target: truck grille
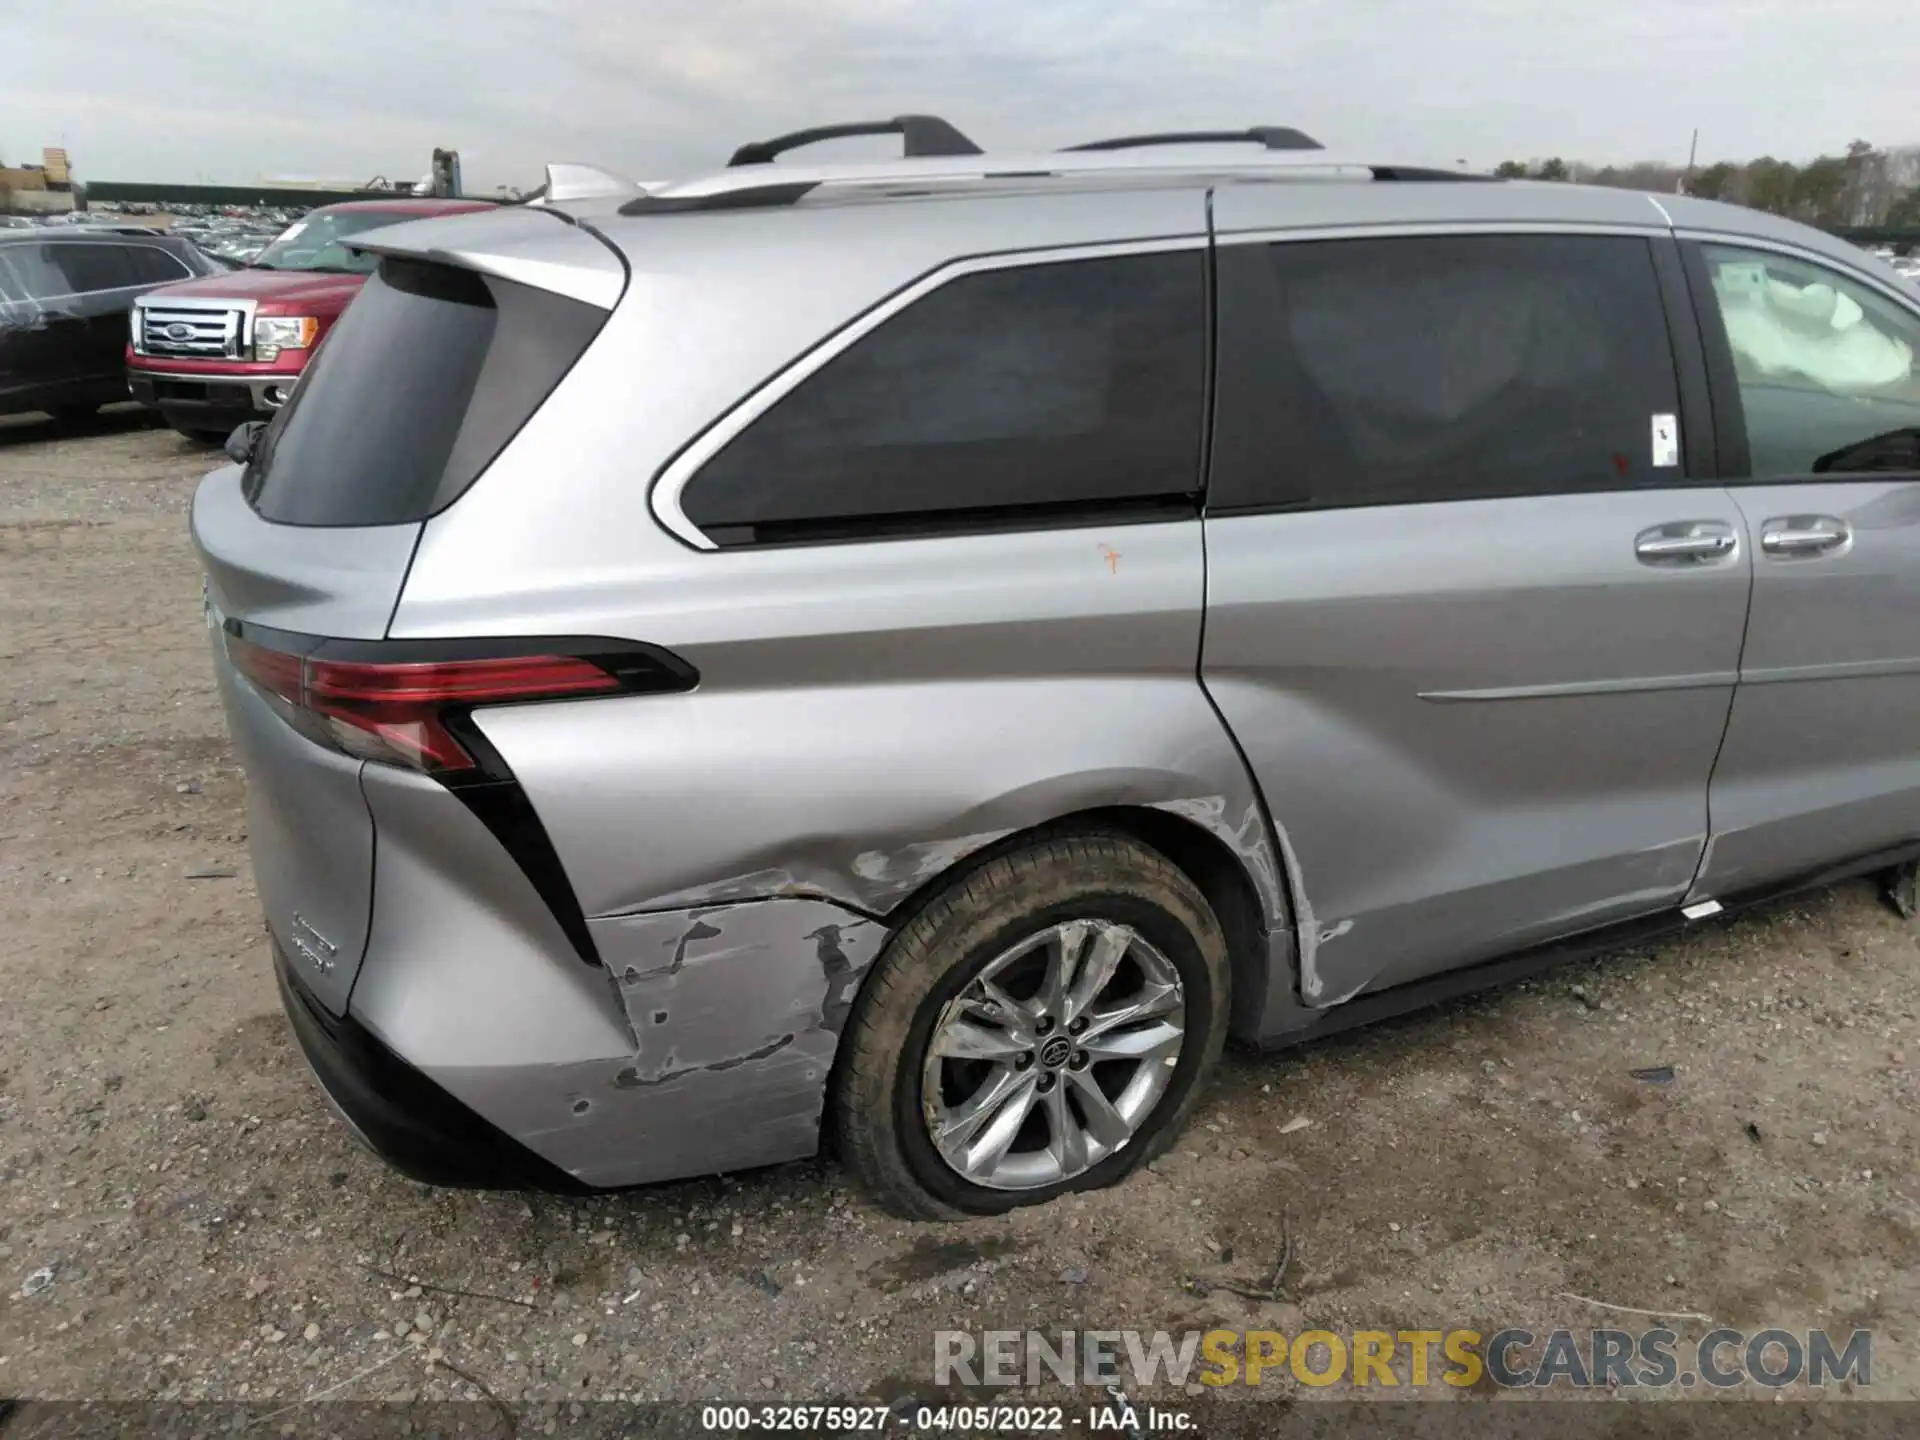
205 334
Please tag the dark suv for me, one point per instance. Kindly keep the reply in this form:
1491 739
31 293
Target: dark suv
64 298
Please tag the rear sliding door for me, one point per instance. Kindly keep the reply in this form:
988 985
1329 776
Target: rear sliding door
1468 613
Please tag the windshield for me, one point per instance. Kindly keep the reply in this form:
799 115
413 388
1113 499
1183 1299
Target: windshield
315 242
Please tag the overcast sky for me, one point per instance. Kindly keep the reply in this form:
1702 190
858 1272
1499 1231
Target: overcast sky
220 91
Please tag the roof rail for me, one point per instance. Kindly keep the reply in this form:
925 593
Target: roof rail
749 198
923 135
750 188
1273 137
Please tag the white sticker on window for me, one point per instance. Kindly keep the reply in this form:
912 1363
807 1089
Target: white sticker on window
1666 441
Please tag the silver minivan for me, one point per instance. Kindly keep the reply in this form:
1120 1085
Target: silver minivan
925 651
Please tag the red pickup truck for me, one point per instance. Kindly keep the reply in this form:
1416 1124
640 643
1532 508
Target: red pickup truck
213 353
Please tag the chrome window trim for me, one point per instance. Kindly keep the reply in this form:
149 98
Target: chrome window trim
672 481
1414 229
1815 258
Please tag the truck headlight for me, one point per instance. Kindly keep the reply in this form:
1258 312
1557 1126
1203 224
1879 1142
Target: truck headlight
134 317
274 333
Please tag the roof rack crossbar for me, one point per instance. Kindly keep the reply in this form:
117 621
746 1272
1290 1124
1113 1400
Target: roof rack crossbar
921 135
1273 137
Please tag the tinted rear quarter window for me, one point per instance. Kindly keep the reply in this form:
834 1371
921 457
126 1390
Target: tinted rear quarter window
420 383
154 266
1042 388
1403 370
28 273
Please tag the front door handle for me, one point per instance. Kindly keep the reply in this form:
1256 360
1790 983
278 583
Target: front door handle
1794 537
1685 542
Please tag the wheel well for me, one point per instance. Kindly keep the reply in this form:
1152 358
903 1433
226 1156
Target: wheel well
1206 861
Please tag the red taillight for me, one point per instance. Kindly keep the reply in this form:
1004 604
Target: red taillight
396 711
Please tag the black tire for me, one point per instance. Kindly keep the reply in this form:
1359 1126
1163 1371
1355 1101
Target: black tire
956 934
201 436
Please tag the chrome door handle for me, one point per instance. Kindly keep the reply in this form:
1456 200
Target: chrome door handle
1789 537
1685 542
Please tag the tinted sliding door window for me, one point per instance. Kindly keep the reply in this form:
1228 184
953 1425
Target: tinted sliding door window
1825 365
1397 371
1005 395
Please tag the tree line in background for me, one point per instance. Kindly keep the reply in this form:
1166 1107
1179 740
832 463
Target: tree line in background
1864 187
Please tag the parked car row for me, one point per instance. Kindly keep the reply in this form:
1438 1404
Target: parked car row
927 649
111 310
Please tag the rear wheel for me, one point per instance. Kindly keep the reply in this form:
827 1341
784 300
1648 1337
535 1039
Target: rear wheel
1042 1025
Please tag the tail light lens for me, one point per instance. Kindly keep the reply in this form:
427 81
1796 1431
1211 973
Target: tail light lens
398 711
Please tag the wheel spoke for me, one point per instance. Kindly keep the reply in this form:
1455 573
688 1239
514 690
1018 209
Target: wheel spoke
1151 1001
997 1137
1063 963
1066 1141
958 1125
963 1040
1108 949
1156 1040
1106 1124
1002 1009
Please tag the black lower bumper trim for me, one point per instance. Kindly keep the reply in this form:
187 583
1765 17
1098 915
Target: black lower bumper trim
410 1122
197 403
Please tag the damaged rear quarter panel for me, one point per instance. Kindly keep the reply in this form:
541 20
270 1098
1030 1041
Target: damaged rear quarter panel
736 1013
726 986
704 1045
869 715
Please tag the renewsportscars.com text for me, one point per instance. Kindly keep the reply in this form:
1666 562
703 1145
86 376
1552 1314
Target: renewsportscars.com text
1405 1359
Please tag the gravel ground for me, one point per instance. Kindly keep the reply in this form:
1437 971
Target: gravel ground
212 1233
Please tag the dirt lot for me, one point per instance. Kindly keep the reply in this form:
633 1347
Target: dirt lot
212 1233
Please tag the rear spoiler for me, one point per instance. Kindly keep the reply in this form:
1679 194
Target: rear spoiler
524 244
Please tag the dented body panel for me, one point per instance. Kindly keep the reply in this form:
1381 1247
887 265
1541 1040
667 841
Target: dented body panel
737 1011
704 1044
966 689
1449 708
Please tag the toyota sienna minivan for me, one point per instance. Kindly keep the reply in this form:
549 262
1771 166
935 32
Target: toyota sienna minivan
922 652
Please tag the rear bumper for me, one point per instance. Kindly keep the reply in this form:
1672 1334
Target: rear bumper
398 1113
207 401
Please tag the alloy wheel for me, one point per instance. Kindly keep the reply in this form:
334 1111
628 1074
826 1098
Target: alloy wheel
1053 1056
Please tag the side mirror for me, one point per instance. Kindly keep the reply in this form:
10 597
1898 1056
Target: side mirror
241 443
